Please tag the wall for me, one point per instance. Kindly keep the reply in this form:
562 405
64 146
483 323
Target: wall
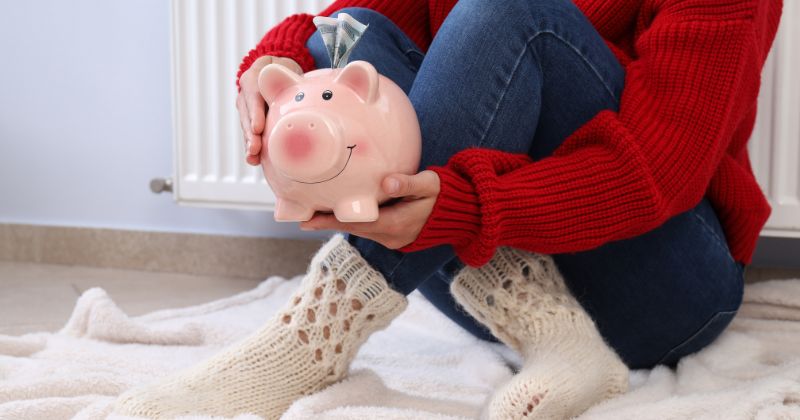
85 121
85 124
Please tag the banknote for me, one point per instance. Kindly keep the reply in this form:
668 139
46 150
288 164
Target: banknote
328 27
340 35
349 32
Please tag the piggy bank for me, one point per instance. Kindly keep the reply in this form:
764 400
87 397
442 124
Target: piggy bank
332 135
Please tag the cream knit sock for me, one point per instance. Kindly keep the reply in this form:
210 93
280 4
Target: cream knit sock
305 347
568 367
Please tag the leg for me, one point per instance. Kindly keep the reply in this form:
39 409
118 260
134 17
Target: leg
571 92
303 348
384 45
653 299
437 291
662 295
494 98
524 301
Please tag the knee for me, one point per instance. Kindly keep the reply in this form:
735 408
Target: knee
379 38
530 12
362 14
377 22
382 32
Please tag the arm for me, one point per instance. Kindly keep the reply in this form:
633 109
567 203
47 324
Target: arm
286 44
697 75
289 38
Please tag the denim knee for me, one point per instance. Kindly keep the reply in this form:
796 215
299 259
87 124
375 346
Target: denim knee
379 31
362 14
484 15
384 45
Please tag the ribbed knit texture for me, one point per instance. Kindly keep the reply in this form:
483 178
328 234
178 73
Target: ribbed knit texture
688 108
305 347
524 301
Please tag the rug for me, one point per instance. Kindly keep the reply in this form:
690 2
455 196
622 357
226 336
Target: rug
422 366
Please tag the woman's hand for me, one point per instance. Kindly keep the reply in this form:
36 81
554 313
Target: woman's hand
251 106
398 224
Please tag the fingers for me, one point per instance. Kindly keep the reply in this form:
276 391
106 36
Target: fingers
324 221
253 160
244 121
257 115
252 108
368 230
423 184
388 223
250 139
252 116
256 108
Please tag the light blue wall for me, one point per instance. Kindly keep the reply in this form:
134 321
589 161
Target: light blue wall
85 120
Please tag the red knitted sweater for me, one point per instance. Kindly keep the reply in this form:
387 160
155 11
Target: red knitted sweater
687 110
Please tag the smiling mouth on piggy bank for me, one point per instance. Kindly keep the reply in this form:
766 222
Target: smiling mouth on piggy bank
337 174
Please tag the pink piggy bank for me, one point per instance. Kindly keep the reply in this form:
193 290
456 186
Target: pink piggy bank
332 135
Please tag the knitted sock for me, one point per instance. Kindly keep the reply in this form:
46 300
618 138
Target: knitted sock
568 367
305 347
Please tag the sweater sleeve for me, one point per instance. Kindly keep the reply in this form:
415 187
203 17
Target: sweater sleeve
622 174
288 39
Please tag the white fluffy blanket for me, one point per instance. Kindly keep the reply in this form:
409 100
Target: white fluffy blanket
421 367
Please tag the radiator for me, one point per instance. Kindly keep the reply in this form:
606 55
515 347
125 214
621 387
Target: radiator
209 38
775 145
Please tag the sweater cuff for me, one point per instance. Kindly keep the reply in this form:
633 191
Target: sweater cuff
456 216
287 40
286 49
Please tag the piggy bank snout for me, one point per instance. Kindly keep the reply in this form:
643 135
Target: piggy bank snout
307 147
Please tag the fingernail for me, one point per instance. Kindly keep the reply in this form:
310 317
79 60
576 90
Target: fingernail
247 147
392 186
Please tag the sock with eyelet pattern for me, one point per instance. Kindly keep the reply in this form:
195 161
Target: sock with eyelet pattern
567 367
305 347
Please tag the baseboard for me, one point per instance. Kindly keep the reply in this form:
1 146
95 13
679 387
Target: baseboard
209 255
233 256
777 252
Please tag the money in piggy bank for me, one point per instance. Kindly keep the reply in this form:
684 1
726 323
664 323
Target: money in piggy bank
332 135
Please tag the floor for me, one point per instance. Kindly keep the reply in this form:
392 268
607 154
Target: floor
40 297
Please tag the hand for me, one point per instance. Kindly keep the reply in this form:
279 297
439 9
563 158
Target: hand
251 106
398 224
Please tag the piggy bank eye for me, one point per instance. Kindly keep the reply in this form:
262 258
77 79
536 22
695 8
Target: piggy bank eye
327 95
299 97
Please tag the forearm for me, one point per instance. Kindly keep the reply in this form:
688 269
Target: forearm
624 173
288 39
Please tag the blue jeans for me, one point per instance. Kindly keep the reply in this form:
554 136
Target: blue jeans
521 78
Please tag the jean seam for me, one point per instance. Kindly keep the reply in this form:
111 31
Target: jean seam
408 53
719 241
391 273
530 40
696 333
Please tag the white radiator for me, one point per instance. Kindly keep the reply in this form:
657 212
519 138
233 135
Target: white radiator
775 144
209 38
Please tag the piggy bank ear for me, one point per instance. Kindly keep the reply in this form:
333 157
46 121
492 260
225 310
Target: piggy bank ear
362 78
273 79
